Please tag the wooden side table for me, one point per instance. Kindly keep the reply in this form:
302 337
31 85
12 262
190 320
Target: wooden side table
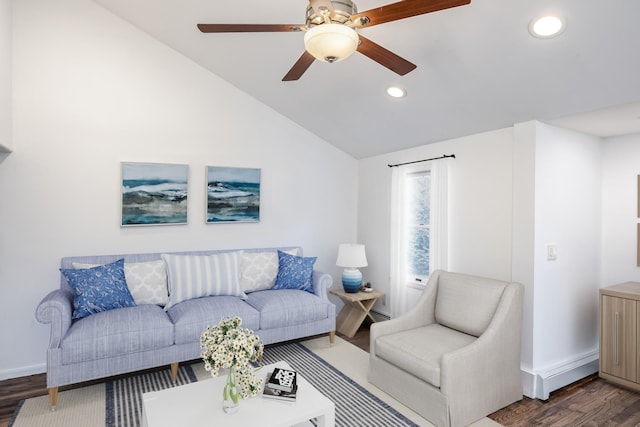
357 307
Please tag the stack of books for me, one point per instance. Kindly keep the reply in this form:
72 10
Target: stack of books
281 384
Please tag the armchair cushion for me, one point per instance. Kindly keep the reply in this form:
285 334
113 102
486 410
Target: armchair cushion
419 351
467 303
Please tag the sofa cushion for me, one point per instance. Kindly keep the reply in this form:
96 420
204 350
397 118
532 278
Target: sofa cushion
294 272
194 276
467 303
258 270
419 351
98 289
192 317
287 307
117 332
147 281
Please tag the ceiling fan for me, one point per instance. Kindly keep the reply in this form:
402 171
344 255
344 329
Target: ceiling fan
330 31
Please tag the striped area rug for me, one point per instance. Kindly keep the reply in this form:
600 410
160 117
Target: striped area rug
355 406
124 396
117 402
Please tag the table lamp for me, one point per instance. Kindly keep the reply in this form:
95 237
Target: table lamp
351 256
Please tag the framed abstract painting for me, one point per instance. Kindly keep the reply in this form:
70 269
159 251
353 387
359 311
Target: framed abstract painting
154 194
233 194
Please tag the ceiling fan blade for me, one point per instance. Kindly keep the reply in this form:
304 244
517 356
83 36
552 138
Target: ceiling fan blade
403 9
385 57
299 67
250 28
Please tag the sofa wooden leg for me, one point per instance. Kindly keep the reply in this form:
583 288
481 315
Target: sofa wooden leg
174 370
53 398
332 337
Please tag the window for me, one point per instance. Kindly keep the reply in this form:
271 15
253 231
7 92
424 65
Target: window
418 243
416 226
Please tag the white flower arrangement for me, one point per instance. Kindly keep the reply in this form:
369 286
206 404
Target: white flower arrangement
227 345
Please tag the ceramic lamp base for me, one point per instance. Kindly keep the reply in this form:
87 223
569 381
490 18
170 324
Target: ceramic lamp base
351 280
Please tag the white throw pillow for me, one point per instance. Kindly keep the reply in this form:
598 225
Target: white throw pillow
259 270
195 276
147 281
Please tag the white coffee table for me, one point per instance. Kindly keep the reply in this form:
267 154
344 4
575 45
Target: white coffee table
200 404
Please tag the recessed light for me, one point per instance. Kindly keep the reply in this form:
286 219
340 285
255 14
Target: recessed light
547 26
396 92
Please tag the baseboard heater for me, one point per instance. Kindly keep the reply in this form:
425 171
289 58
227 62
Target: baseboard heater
379 316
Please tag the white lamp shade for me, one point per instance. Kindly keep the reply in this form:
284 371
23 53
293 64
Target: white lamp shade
331 42
351 255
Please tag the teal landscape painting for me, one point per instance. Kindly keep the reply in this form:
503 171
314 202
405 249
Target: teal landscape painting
154 193
233 194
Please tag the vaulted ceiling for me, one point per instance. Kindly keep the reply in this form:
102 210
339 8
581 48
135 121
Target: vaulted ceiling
478 67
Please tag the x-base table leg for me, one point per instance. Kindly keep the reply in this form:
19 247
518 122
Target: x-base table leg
357 307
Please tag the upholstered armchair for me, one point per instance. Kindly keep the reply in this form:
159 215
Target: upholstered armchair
454 358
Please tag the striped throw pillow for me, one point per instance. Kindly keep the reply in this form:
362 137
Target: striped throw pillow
195 276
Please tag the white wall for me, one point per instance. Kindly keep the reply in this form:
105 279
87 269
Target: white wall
523 236
568 202
5 76
90 92
480 204
621 167
557 200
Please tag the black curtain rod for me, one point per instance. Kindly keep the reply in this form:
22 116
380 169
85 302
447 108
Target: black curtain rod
453 156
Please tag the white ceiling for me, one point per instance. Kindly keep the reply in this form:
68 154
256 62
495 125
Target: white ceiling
478 68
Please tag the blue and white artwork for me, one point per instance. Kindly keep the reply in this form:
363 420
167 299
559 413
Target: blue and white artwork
154 193
233 194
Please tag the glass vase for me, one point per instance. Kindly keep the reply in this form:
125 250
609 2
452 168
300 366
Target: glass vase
230 395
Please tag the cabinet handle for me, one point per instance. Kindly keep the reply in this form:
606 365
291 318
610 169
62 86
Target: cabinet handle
616 321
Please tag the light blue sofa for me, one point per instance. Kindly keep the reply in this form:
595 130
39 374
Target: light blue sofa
145 336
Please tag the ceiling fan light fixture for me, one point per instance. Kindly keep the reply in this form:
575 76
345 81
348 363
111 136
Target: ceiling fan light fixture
331 42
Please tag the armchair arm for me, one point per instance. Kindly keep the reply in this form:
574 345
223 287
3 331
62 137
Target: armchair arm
321 284
56 308
493 360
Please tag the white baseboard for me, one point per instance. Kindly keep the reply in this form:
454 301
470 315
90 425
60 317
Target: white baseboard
23 371
538 385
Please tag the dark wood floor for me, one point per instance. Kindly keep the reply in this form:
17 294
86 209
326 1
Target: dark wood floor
590 402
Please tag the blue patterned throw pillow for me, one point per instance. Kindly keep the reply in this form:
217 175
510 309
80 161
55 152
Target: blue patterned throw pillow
294 272
98 289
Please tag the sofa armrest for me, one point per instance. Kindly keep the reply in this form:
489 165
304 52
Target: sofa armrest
56 308
322 282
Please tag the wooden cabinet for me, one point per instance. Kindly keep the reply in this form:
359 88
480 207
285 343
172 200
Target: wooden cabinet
619 334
